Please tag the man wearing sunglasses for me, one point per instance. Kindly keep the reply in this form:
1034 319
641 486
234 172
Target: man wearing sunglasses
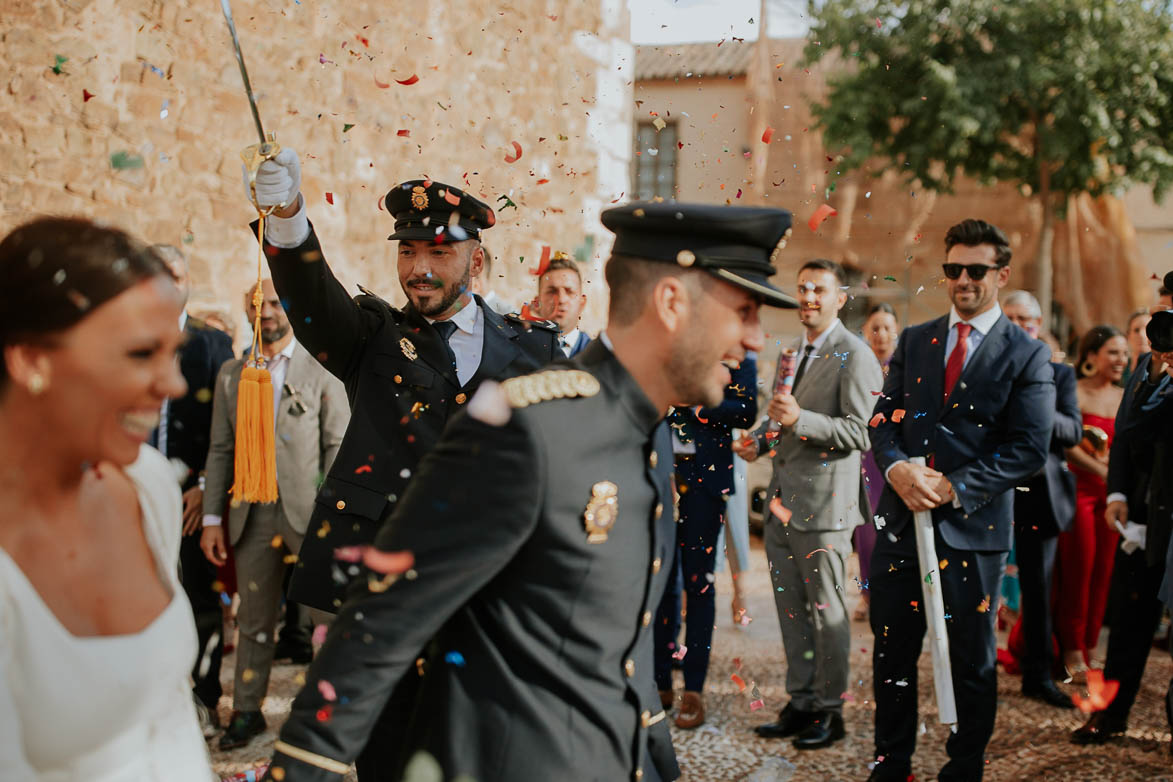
975 396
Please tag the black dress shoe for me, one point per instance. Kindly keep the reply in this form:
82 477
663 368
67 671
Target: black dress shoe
881 774
243 726
1098 729
790 722
826 729
296 653
1048 693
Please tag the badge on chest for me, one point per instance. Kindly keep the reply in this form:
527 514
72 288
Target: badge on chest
602 511
408 349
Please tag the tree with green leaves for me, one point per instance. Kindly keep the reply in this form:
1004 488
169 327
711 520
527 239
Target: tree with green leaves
1058 97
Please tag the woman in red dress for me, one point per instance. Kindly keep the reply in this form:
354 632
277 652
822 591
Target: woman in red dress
1086 550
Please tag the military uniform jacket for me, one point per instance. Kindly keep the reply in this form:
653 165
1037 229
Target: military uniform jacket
543 637
402 389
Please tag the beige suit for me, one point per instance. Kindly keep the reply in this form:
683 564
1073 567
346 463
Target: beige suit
817 478
311 418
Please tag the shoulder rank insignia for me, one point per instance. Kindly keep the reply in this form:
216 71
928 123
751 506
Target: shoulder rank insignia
528 325
408 349
601 511
553 384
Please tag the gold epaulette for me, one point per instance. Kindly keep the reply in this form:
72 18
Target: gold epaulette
553 384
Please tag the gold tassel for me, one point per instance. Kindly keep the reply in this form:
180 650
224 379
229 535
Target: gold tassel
255 465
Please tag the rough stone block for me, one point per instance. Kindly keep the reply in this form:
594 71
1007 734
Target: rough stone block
14 161
96 113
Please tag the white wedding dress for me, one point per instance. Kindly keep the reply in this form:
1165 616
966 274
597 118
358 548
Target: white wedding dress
103 708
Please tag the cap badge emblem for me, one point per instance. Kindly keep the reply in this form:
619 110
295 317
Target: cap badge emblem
408 349
601 511
419 198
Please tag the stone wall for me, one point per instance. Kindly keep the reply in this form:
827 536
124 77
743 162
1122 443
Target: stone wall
142 122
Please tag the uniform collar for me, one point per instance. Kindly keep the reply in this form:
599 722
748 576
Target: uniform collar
466 319
633 399
983 323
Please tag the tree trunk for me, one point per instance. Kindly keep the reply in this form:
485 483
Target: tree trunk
1044 264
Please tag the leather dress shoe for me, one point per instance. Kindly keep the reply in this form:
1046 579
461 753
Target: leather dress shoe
888 776
1098 729
242 727
790 722
826 729
1048 693
692 711
296 653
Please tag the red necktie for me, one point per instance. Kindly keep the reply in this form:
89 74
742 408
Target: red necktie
956 358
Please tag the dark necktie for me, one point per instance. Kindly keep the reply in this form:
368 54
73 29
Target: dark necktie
447 328
956 360
806 355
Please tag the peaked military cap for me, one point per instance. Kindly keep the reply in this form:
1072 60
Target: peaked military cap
1160 331
429 210
738 244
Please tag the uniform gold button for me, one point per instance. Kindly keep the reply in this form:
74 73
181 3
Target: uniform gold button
654 459
659 510
647 618
639 774
656 565
629 668
645 718
399 378
461 399
340 505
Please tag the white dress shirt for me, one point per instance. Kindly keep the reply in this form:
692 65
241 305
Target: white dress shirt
981 327
468 341
568 340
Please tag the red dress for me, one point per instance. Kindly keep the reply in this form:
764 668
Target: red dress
1086 553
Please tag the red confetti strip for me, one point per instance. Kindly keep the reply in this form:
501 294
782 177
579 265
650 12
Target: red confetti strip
543 264
816 551
543 181
362 469
755 705
330 199
740 682
877 419
527 313
327 690
769 134
403 133
380 84
697 413
86 95
451 198
822 213
897 416
516 156
410 80
325 713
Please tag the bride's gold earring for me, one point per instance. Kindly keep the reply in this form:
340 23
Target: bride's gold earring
1087 368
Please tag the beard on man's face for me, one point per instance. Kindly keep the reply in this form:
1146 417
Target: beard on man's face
449 293
691 367
275 334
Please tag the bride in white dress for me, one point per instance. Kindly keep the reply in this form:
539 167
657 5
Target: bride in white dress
96 636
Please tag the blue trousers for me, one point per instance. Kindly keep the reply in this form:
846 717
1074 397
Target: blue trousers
696 555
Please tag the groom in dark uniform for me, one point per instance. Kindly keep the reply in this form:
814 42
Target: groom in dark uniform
547 532
405 371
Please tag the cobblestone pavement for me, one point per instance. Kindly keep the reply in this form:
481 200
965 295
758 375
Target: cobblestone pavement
1030 739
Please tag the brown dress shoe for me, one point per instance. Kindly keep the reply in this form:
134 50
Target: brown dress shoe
692 711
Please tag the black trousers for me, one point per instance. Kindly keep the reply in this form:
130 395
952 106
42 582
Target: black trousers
970 582
1136 614
199 579
1035 553
385 755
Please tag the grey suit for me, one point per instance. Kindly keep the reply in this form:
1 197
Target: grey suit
817 477
311 419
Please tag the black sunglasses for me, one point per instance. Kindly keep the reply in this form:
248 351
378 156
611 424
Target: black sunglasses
975 270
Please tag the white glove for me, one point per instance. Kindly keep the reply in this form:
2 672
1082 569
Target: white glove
278 180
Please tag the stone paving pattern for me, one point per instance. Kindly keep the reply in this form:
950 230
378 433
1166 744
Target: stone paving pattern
1030 740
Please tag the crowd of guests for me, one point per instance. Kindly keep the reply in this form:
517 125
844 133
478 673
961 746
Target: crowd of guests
118 413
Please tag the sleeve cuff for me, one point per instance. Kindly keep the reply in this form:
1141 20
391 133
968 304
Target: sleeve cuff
288 232
212 520
1117 496
890 466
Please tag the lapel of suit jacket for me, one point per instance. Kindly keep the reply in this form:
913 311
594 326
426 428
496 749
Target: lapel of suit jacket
500 346
583 341
295 377
981 364
932 363
428 344
817 365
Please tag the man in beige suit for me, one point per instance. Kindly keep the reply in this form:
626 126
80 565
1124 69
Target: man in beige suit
311 416
817 500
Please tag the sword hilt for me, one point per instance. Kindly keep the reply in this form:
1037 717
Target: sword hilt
253 156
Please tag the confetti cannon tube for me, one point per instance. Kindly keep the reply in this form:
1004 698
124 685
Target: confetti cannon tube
934 607
784 378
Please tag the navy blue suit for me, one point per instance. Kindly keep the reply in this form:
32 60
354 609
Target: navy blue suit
989 436
704 481
1041 512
